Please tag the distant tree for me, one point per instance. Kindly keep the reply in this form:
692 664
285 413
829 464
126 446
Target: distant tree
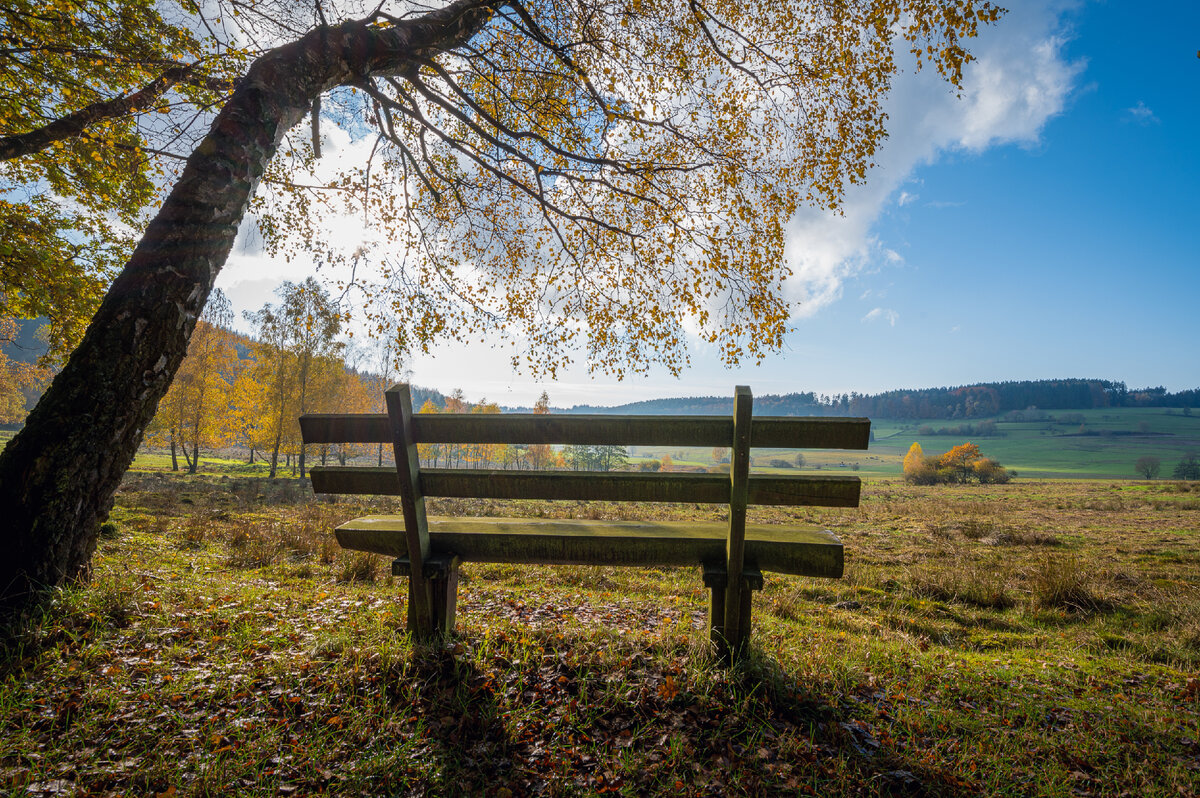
577 458
720 454
988 471
481 455
915 466
14 377
196 411
799 460
958 464
611 458
1148 466
540 455
429 453
666 463
1188 468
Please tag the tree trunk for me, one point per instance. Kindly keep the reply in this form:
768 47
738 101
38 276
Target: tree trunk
58 475
174 457
192 466
183 448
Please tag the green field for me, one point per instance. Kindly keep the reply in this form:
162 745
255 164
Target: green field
1106 447
1109 444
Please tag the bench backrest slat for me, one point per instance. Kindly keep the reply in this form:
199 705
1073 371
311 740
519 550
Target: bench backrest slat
767 432
412 502
764 489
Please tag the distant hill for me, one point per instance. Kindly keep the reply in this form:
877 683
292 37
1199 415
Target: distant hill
792 404
27 347
981 400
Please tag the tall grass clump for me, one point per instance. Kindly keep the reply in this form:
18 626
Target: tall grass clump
1068 583
963 580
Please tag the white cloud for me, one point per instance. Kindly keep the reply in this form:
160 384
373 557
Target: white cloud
1140 114
882 314
1020 80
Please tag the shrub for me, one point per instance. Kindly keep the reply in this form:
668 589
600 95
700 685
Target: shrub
1188 468
989 472
963 463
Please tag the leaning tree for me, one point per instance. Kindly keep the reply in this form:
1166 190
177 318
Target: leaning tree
605 177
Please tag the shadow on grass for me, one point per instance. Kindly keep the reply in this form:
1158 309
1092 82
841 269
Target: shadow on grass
543 714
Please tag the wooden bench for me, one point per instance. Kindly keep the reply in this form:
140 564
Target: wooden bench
733 555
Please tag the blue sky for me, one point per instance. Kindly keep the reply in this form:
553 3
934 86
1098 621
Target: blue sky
1045 225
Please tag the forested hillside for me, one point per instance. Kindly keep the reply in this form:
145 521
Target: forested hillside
969 401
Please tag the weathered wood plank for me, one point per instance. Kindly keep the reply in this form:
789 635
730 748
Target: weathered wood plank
771 432
345 428
787 432
801 550
779 490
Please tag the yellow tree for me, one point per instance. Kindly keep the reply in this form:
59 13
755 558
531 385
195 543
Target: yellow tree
540 455
246 403
597 176
430 453
914 460
194 412
958 464
919 469
482 455
347 392
15 376
273 376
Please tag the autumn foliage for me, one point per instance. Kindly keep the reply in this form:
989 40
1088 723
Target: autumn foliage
962 464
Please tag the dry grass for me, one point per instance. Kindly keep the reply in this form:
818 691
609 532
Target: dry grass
1039 638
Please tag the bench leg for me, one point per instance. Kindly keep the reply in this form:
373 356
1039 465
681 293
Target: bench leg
717 581
441 574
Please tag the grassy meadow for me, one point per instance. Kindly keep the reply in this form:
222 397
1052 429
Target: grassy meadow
1037 638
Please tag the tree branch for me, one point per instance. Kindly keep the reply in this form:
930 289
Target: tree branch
75 123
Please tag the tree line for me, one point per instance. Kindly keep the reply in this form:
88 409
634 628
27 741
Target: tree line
962 402
248 393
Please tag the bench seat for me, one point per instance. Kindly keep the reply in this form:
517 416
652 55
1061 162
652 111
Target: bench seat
789 549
